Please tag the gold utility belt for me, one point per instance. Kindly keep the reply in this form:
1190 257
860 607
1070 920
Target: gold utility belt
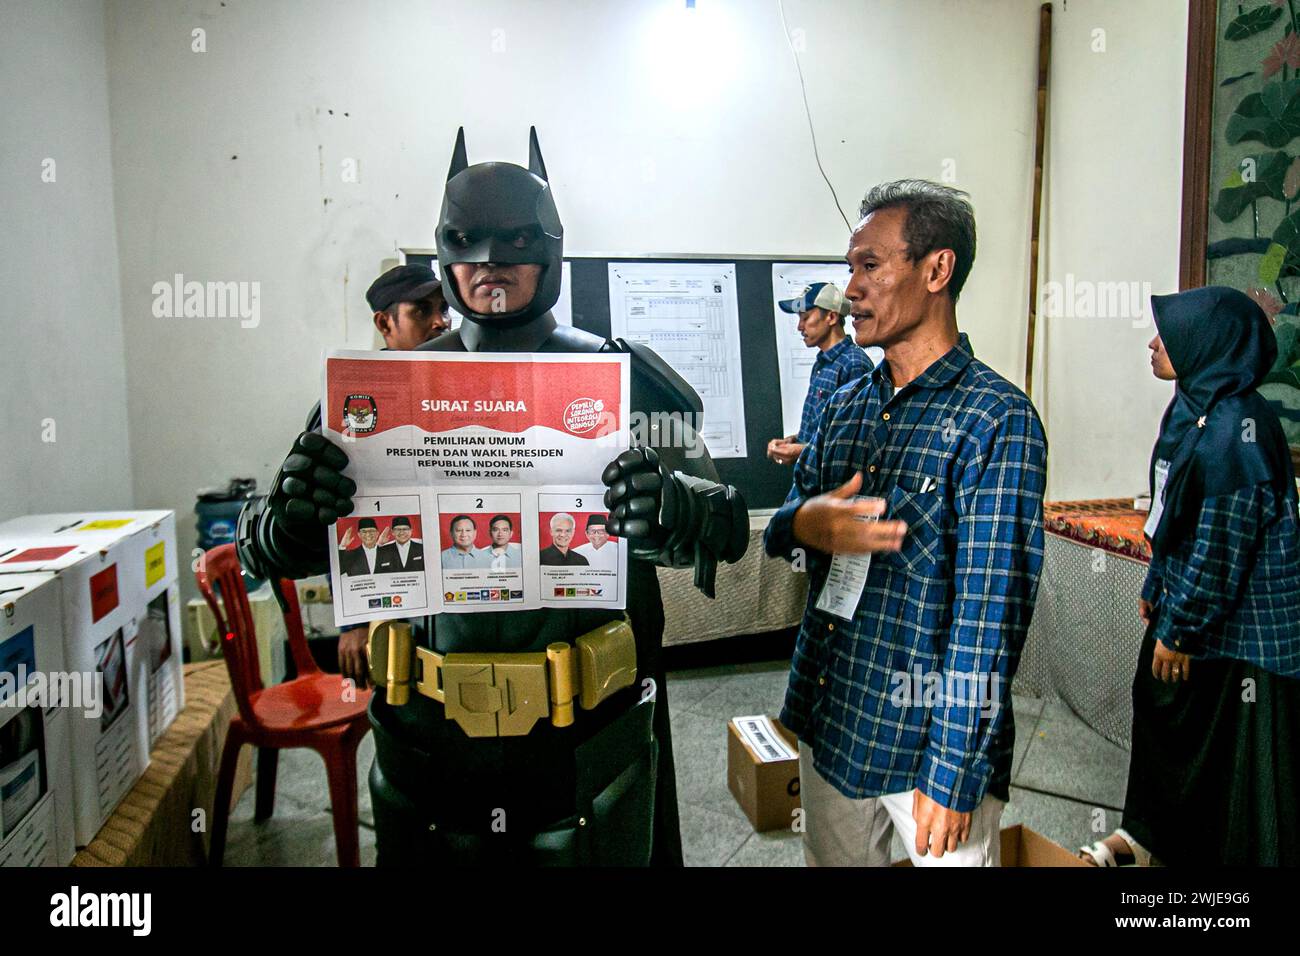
504 695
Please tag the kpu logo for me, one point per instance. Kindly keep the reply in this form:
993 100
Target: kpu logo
360 414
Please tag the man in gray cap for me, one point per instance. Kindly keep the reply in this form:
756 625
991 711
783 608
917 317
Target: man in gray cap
821 308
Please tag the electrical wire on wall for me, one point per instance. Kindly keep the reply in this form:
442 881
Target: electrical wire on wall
785 28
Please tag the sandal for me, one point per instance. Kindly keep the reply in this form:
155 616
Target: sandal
1103 856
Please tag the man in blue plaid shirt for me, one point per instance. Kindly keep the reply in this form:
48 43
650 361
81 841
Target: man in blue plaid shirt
900 688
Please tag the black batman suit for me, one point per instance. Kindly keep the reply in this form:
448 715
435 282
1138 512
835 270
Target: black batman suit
602 790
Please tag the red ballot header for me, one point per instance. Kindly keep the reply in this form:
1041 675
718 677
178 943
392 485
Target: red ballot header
367 397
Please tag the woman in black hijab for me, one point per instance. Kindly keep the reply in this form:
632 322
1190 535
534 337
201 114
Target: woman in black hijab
1214 775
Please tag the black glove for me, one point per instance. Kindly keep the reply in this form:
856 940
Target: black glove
674 519
310 492
284 535
637 485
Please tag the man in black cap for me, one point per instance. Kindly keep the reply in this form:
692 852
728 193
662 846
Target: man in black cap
600 551
409 307
410 310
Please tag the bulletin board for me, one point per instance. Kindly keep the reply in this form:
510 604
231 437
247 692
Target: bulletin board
764 483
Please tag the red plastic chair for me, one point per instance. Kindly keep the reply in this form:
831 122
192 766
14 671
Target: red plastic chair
308 711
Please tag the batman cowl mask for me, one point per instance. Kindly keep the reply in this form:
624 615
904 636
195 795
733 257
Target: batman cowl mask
505 214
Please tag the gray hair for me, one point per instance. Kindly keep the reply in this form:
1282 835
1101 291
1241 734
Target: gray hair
563 516
938 217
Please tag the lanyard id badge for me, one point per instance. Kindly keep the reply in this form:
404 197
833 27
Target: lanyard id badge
1157 499
845 580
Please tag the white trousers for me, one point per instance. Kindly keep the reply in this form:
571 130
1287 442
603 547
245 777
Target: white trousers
842 831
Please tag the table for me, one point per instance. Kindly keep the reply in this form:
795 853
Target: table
154 823
1083 642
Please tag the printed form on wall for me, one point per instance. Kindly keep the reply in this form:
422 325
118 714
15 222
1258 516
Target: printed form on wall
688 313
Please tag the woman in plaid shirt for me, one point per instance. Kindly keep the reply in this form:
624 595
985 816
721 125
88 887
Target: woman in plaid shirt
1214 769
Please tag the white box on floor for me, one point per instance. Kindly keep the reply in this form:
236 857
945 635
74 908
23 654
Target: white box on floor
36 700
148 585
100 637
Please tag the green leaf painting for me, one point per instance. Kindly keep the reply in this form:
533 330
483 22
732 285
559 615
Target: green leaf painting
1252 22
1270 266
1271 116
1256 177
1260 192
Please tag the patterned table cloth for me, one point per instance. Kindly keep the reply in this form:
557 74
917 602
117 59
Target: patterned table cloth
1083 643
755 595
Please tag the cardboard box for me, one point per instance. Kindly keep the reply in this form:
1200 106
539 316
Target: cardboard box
148 586
36 791
1022 846
763 771
101 621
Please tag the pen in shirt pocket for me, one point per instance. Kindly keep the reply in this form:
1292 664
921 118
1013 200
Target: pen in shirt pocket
928 485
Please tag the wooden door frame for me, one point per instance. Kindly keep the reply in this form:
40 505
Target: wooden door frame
1198 136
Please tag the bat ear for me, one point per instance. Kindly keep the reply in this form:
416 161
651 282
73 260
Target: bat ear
535 164
458 160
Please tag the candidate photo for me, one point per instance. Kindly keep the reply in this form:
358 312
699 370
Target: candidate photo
463 555
403 552
560 553
370 557
503 553
600 550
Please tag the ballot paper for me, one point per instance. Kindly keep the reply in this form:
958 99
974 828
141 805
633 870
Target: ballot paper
794 358
845 579
478 481
688 314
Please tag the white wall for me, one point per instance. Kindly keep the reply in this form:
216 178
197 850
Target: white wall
658 139
62 371
1112 209
664 130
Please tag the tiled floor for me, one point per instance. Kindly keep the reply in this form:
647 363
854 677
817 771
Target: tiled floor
1067 783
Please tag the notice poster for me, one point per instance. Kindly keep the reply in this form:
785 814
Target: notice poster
478 481
688 313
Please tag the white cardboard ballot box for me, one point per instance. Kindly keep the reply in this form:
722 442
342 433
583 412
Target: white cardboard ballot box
36 792
108 564
149 586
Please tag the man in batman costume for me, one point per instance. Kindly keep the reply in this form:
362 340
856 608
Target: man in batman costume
601 789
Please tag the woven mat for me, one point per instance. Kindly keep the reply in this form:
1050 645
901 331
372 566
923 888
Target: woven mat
1107 523
154 825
